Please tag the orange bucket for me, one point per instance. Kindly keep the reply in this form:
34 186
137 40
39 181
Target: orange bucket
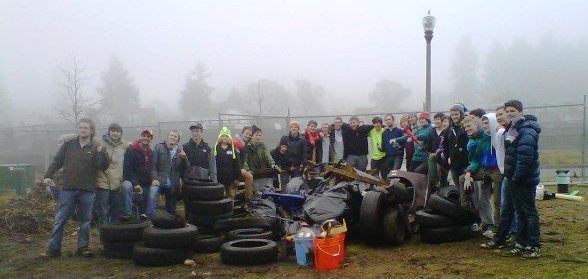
329 253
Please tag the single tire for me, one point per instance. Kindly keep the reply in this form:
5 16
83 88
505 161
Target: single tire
449 193
204 193
249 252
199 182
123 232
243 223
370 216
219 207
118 250
145 256
449 234
431 220
170 238
208 243
395 227
451 210
253 233
164 220
208 220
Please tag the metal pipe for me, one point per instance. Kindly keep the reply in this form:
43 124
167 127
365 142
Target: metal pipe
583 137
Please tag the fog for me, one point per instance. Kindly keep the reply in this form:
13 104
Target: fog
332 54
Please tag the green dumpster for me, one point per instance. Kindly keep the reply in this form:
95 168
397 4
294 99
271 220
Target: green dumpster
17 177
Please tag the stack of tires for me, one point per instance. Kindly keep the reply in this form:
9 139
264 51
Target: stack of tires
383 218
250 242
206 203
443 220
118 240
168 241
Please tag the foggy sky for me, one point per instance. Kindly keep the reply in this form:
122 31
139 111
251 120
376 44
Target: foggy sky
345 46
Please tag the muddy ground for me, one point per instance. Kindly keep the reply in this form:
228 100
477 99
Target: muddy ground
564 228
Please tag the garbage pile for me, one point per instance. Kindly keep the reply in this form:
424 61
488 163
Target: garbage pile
32 214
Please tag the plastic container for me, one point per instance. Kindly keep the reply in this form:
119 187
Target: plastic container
539 192
304 247
563 180
329 252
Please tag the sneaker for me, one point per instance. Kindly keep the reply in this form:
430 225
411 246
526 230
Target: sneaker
492 245
516 250
51 254
489 234
85 252
532 253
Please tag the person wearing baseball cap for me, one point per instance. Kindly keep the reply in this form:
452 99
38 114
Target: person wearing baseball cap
200 155
137 172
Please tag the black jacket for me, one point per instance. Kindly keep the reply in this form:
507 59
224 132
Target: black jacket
165 167
455 146
298 151
281 160
433 140
521 161
201 159
228 169
355 141
80 165
137 166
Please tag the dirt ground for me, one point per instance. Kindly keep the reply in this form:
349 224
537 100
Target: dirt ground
564 234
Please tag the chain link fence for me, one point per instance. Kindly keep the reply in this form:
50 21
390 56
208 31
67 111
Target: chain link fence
562 140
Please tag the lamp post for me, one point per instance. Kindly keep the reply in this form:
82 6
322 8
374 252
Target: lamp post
428 25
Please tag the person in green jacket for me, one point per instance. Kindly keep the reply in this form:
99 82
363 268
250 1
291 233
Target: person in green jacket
421 134
258 160
378 154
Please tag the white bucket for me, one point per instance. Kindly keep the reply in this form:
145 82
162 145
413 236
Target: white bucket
539 192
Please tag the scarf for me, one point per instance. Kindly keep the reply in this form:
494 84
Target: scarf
312 137
146 152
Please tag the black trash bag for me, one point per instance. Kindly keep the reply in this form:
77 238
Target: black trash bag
296 185
332 204
263 208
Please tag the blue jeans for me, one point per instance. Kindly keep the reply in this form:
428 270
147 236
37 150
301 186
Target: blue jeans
126 198
147 202
68 199
514 226
508 221
108 205
528 230
171 200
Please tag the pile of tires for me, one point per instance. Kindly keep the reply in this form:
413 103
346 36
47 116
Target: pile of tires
168 241
383 220
118 240
443 220
206 203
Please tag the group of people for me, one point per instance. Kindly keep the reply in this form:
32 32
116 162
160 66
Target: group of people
492 158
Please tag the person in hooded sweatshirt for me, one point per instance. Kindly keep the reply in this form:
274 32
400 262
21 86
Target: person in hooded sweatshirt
421 134
313 138
228 165
169 165
109 190
521 170
495 131
482 167
137 173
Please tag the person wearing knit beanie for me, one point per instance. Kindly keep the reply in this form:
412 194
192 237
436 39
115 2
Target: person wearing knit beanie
227 162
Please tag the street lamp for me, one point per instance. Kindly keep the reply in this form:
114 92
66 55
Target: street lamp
428 25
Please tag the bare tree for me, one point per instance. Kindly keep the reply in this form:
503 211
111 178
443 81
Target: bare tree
74 103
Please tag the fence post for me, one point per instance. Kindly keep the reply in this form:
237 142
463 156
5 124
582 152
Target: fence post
46 150
220 121
583 137
159 131
288 120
